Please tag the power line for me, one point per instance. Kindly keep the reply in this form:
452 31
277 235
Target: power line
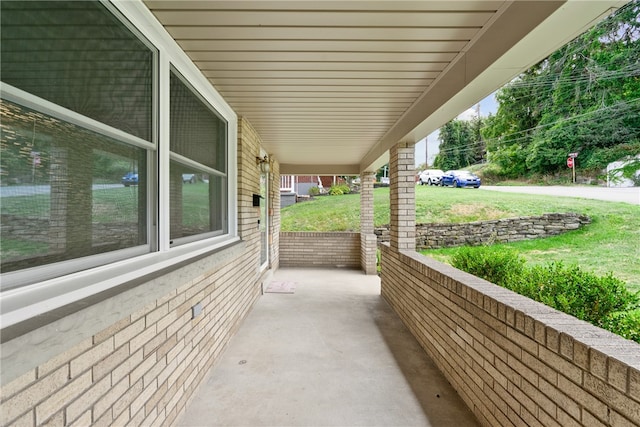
616 108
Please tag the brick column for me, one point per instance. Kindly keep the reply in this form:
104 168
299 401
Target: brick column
367 236
402 194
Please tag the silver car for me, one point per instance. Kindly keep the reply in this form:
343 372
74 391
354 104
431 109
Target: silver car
430 177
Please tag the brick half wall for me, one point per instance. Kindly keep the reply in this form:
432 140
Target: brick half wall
328 249
514 361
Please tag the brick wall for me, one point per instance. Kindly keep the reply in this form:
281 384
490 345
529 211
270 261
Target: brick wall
330 249
143 368
442 235
513 361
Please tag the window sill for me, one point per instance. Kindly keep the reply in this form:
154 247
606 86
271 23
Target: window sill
30 307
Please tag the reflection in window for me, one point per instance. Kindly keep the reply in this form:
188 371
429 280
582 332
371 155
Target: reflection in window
197 202
198 190
78 55
62 194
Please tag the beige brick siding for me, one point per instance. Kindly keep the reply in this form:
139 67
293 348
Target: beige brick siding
402 196
149 367
514 362
142 369
328 249
368 240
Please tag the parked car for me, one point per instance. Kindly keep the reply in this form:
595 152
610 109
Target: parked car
430 177
189 178
385 180
131 178
460 179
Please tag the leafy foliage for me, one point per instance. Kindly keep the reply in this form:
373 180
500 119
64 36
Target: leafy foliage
461 144
499 266
339 190
601 300
585 98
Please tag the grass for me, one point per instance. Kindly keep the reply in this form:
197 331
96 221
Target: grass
113 205
611 243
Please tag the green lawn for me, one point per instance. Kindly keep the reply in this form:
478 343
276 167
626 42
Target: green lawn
117 205
611 243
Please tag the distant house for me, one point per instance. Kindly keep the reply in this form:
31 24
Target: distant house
294 186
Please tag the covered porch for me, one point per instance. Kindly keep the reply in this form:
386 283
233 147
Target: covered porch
299 88
331 353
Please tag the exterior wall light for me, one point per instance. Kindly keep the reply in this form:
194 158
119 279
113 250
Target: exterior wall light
264 164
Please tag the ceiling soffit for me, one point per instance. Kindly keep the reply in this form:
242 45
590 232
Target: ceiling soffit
333 84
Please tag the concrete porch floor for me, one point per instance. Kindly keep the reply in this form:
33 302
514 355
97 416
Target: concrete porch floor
331 354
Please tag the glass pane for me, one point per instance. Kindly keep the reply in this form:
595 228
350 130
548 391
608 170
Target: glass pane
196 131
264 202
197 202
78 55
61 191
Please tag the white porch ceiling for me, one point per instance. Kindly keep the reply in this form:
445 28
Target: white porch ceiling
330 86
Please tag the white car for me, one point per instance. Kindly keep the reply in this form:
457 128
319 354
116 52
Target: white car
430 177
188 178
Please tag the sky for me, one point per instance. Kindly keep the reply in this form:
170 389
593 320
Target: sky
487 106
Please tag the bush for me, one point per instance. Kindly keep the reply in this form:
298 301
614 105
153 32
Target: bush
339 190
491 173
579 293
603 301
314 191
626 324
499 266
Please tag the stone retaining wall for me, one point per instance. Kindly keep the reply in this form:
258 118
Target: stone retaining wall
441 235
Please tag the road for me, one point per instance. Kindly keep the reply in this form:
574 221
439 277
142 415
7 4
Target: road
627 195
32 190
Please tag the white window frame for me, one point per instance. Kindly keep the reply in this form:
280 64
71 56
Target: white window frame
185 161
23 303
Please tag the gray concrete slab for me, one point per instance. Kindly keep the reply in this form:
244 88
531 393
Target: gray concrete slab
331 354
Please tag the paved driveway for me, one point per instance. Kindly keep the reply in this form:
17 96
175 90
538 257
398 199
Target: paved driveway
626 195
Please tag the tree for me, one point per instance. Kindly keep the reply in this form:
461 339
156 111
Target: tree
460 144
585 98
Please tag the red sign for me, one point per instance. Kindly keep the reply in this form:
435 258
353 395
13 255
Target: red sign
569 162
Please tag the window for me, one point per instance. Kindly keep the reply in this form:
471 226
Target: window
82 182
63 198
198 170
78 55
76 128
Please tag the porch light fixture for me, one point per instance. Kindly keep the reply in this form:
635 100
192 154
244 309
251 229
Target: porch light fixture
264 164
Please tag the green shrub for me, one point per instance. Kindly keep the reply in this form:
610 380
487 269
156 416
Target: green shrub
579 293
603 301
314 191
339 190
499 266
626 324
491 173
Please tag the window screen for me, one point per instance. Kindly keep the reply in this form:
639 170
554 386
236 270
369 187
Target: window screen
63 193
198 190
78 55
71 190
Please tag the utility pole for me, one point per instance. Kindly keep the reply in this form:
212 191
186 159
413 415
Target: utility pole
426 153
